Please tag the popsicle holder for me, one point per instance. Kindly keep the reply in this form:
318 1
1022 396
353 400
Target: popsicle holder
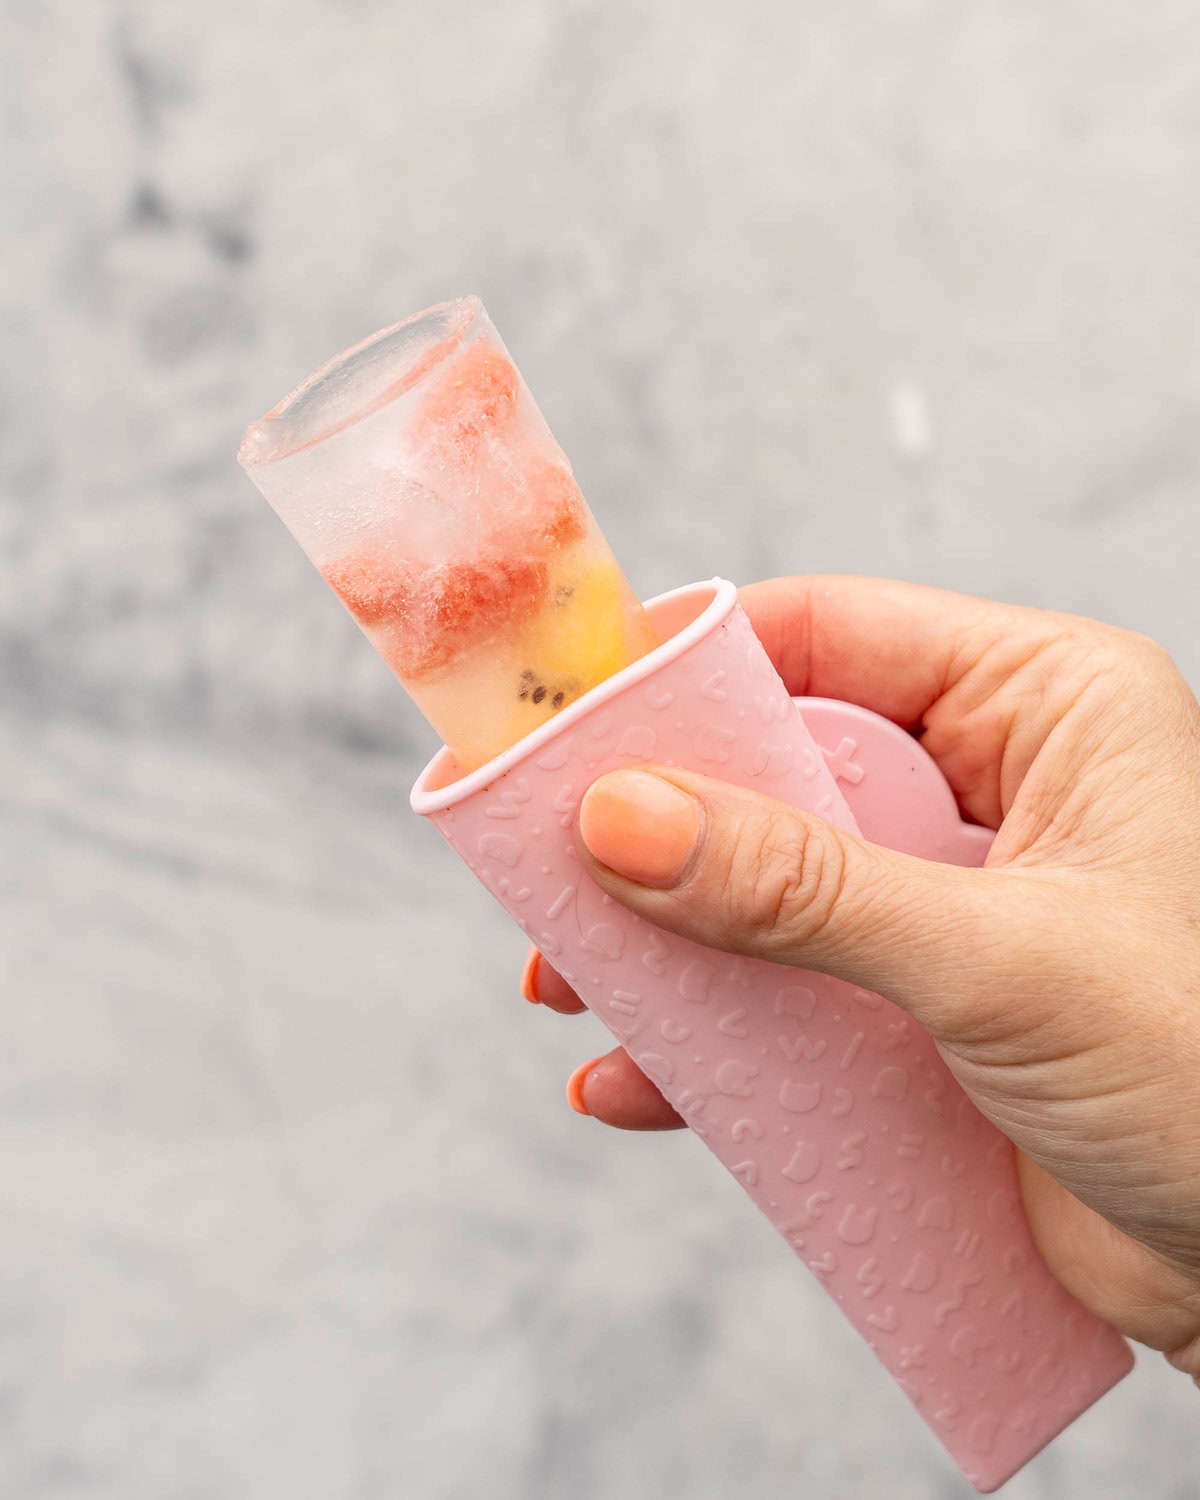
831 1107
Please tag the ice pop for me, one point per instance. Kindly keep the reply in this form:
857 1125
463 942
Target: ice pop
420 477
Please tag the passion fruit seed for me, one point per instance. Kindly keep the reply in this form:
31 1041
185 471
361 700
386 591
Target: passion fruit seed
530 687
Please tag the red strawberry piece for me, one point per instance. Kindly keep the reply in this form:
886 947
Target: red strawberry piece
557 507
477 393
473 598
427 619
373 588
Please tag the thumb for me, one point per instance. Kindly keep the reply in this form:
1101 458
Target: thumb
735 870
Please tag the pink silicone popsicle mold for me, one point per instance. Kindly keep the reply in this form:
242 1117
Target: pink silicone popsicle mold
831 1107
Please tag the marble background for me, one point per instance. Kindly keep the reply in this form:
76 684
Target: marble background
292 1203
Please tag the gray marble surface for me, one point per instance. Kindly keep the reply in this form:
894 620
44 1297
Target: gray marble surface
292 1204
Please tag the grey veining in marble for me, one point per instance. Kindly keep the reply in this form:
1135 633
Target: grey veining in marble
292 1205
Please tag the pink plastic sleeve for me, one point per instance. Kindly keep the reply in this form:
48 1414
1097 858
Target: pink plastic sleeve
830 1107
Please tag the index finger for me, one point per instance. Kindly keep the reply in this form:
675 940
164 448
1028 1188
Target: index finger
888 646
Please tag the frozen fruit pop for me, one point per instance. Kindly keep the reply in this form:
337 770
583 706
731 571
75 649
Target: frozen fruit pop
420 477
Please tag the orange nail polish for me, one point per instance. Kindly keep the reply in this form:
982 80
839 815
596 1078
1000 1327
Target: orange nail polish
529 977
640 825
575 1086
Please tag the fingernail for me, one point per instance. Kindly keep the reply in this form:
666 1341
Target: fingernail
529 977
575 1086
641 826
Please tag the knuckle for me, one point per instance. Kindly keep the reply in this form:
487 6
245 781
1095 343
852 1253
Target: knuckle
1142 657
1160 669
785 883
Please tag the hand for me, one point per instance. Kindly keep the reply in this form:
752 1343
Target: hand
1061 983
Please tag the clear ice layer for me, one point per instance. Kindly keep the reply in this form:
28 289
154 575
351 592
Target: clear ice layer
420 477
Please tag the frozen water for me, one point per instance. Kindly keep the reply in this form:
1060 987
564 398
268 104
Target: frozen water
420 449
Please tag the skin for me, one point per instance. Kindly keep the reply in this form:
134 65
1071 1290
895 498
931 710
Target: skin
1061 983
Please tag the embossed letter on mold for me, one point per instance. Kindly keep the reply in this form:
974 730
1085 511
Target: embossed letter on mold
936 1213
799 1097
795 1000
639 740
772 760
605 939
508 804
796 1047
733 1077
656 1067
857 1225
501 847
891 1083
695 980
656 954
805 1162
921 1275
714 744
